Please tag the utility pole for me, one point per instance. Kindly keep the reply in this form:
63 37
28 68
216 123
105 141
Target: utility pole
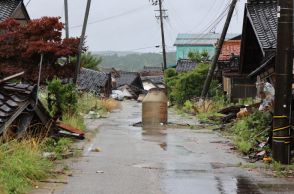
218 50
281 145
161 17
66 19
82 39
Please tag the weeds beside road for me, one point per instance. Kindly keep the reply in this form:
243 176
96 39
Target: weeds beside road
25 162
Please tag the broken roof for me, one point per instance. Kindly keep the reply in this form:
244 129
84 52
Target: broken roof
154 79
185 65
14 99
7 8
200 39
127 78
92 81
230 47
152 68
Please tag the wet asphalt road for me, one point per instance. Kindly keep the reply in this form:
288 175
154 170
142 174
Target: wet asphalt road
162 161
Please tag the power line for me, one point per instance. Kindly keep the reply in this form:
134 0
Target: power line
213 24
162 16
143 48
28 3
112 17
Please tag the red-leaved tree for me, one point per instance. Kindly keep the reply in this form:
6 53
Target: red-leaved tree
22 45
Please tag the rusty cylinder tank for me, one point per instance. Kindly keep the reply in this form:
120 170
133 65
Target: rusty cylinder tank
154 108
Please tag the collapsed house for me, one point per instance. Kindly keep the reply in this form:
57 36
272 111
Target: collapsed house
96 82
151 71
129 83
19 108
150 82
21 113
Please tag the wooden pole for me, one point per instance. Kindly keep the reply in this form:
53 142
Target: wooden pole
281 145
218 50
162 35
78 66
66 19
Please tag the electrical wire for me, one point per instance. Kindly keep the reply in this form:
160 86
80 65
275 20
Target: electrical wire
112 17
213 24
28 3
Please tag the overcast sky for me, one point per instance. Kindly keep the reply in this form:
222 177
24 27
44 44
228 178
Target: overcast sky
130 25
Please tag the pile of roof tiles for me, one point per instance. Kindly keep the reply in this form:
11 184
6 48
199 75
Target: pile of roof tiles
20 109
92 81
16 103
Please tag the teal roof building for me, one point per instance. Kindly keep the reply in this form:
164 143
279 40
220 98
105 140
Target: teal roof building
186 43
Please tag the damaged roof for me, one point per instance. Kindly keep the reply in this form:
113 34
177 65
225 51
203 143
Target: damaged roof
262 15
185 65
14 99
92 81
154 79
7 7
126 78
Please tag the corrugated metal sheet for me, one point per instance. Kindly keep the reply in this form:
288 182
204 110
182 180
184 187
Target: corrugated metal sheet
200 39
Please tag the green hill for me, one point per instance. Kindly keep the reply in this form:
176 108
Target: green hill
133 61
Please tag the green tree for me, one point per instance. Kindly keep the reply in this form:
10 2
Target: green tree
185 86
89 61
199 57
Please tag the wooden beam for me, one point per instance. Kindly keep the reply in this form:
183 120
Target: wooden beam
11 77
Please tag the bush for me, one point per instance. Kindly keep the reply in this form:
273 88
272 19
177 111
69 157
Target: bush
185 86
88 60
171 72
250 130
62 98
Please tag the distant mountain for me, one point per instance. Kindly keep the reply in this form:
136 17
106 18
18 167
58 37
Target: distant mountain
131 61
110 53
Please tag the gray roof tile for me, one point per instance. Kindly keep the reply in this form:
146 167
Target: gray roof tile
12 97
126 78
185 65
92 81
263 16
7 8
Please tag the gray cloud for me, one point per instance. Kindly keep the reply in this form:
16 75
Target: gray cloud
130 24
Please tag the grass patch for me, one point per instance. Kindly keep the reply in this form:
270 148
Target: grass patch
110 104
76 121
243 146
21 164
58 147
88 102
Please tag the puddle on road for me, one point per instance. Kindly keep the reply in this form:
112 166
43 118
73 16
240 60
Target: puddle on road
164 140
191 182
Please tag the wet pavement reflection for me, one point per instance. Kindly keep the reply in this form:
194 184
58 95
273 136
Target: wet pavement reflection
182 177
164 160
